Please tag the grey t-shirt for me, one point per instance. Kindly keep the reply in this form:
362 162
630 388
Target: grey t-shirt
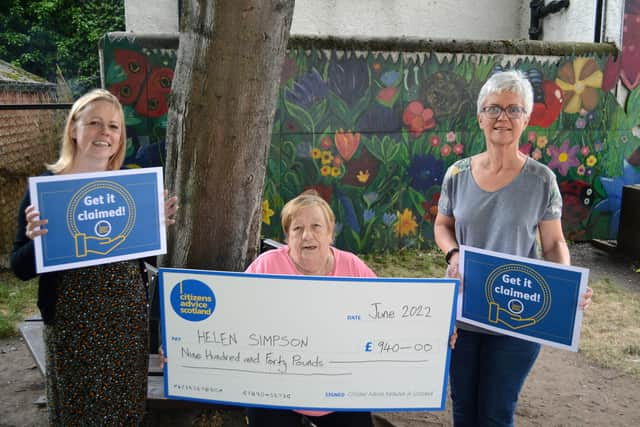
505 220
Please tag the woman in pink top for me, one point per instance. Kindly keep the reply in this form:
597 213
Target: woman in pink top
308 224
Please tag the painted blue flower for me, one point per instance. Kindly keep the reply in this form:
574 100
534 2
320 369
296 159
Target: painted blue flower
425 171
390 78
368 215
349 212
307 90
389 218
349 78
613 202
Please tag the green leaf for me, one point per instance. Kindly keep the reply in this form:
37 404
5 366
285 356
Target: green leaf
300 115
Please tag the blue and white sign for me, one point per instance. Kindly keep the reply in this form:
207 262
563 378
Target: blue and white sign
97 218
522 297
304 342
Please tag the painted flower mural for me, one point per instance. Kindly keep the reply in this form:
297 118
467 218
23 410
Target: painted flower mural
563 157
580 81
425 172
374 132
418 119
308 90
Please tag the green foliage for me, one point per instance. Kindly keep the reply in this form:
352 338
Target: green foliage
17 300
40 34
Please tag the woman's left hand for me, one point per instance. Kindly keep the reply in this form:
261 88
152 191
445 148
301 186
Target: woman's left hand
170 207
585 300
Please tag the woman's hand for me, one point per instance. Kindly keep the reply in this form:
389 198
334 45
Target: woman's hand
170 208
585 299
34 223
453 338
163 359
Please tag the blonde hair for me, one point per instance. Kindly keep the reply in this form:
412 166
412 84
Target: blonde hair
307 198
69 149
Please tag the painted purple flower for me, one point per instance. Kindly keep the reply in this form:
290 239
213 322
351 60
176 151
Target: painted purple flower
425 171
348 78
563 158
307 90
379 118
613 202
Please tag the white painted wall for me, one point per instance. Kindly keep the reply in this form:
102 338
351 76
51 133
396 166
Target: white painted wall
428 19
151 16
578 22
425 19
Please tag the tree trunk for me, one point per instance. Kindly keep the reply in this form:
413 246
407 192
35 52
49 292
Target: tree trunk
219 127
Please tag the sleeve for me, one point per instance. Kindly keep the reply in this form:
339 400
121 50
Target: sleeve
23 260
444 203
553 210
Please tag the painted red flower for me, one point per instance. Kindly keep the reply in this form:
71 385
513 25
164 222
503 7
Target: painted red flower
431 208
417 118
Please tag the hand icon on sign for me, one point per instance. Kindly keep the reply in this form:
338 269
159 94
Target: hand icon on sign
514 321
96 245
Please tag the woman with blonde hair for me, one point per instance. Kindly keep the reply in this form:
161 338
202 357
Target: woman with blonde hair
96 321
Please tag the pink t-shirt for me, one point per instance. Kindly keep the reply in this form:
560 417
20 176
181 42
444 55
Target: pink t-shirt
277 261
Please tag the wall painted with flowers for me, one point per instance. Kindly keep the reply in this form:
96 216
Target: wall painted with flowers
373 131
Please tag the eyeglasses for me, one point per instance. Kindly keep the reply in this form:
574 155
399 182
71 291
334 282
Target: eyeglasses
512 111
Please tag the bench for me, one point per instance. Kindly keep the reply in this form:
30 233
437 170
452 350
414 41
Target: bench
32 329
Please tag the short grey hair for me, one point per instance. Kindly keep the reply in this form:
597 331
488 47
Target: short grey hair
514 81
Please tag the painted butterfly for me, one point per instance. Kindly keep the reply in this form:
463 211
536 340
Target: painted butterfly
146 88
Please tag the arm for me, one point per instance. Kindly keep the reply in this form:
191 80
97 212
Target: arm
554 247
23 260
445 235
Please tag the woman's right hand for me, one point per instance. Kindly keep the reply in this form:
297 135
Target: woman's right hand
34 223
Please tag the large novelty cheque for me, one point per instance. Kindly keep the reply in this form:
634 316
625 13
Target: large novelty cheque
96 218
526 298
293 342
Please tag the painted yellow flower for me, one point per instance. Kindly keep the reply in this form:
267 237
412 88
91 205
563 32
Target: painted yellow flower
362 176
335 171
327 157
315 153
406 223
579 81
591 161
325 170
542 141
267 212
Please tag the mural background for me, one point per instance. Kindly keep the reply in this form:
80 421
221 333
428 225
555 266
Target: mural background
373 132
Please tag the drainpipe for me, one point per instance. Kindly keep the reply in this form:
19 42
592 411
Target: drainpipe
539 11
601 21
